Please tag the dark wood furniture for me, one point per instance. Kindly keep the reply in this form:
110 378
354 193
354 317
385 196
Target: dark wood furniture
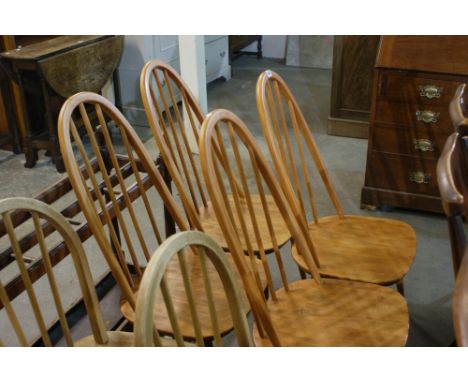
350 103
239 42
11 138
415 79
13 104
452 177
50 71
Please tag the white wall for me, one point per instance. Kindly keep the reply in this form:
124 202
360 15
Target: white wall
273 46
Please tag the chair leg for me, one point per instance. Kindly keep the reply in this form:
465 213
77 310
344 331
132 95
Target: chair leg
401 287
302 273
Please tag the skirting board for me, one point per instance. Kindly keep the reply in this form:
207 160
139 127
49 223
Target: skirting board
348 128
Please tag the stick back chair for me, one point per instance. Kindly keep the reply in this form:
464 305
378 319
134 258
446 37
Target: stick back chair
28 317
452 177
172 127
214 264
123 196
317 311
361 248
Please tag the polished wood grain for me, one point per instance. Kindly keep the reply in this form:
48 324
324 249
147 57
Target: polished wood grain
211 226
351 247
447 54
338 313
157 309
41 213
371 258
172 127
333 311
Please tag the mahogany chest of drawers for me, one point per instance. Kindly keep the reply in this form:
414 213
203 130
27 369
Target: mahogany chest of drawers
415 80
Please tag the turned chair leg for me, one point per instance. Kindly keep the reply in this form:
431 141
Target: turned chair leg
401 287
302 273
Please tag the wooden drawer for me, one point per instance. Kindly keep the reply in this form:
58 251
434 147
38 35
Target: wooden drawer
393 172
423 142
405 115
408 87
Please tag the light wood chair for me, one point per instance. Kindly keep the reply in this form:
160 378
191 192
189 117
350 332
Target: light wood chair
452 177
156 285
311 312
26 313
350 247
174 128
123 193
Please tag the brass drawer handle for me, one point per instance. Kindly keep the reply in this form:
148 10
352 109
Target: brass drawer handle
427 116
430 91
423 144
419 177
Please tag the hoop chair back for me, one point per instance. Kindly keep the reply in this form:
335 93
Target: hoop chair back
279 114
349 247
243 158
114 180
29 315
155 285
176 131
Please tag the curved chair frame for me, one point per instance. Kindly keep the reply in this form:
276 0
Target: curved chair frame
177 153
324 312
452 178
380 264
153 279
66 131
39 209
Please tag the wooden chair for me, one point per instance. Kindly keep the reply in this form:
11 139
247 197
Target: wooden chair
121 193
26 313
452 177
318 311
155 285
361 248
159 86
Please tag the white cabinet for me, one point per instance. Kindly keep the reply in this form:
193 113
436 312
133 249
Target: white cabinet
217 58
140 49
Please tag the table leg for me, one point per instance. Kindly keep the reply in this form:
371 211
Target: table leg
29 152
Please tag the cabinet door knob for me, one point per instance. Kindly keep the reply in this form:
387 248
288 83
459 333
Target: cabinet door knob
419 177
423 144
430 91
223 53
427 116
